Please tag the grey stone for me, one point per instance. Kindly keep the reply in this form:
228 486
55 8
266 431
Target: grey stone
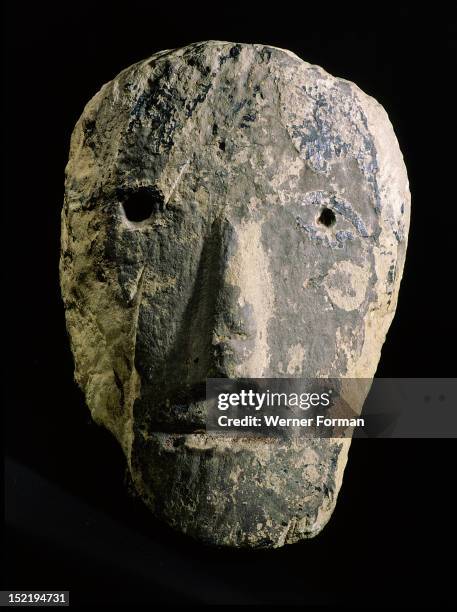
230 210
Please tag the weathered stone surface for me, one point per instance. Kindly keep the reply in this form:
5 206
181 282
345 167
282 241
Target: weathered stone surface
230 210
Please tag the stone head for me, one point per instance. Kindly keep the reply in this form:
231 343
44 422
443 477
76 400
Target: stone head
230 211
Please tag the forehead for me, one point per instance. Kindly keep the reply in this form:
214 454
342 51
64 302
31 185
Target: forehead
255 124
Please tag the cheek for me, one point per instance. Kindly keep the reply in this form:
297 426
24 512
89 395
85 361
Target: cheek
321 300
173 259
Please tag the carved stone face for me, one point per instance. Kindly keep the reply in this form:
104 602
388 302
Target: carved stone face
230 211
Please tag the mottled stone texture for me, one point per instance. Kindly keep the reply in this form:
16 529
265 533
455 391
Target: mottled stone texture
230 210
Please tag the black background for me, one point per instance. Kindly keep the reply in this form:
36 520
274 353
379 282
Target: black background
71 523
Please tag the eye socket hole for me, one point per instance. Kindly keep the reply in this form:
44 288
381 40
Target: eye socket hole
327 217
139 205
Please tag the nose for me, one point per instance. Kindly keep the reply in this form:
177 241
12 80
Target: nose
244 303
